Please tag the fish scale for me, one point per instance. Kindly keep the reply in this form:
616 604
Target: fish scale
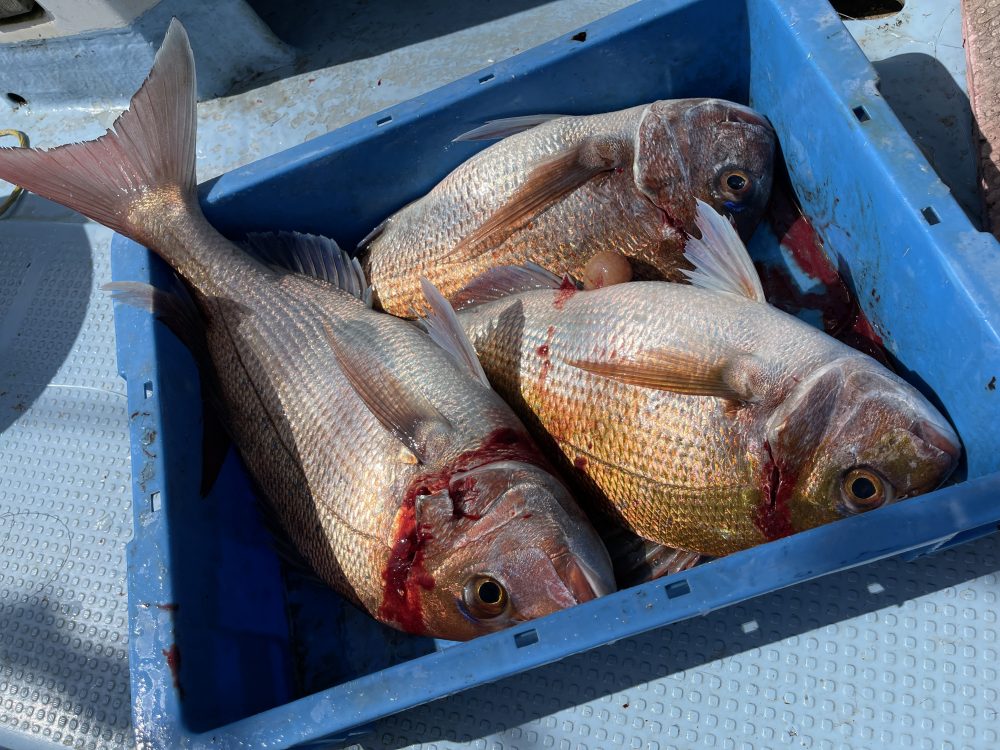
706 474
429 237
383 455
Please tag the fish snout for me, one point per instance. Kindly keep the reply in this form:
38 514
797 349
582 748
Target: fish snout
942 439
584 581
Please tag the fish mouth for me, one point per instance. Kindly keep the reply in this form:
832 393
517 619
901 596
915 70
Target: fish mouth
748 117
943 440
581 580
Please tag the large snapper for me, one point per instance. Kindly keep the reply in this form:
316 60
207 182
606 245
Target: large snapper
394 468
570 187
702 417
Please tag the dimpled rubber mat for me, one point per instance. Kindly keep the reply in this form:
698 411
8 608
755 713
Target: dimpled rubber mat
65 492
895 654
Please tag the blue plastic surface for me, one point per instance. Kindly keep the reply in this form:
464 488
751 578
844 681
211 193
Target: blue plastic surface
230 647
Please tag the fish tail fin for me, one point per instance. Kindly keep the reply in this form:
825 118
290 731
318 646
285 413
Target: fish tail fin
123 178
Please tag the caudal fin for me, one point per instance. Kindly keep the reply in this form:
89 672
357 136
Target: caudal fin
148 153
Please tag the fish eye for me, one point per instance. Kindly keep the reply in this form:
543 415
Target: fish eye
736 182
864 490
485 597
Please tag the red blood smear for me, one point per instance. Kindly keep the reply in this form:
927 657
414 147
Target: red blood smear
773 516
168 607
173 655
543 350
566 290
404 576
841 312
580 462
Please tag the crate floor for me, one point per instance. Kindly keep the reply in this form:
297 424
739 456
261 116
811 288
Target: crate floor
899 654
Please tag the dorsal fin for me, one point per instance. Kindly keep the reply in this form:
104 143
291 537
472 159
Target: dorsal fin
721 262
312 255
443 327
505 126
502 282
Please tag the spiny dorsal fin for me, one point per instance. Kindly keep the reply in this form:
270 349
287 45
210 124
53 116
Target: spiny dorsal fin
504 281
399 407
312 255
443 327
720 258
505 126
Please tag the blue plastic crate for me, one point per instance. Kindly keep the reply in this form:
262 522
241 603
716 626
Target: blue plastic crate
230 649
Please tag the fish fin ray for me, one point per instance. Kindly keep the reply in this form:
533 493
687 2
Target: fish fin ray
637 560
312 255
175 308
402 410
504 281
549 181
150 147
501 128
443 327
690 373
721 262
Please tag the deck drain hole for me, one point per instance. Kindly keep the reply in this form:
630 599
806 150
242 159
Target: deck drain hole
677 588
930 216
862 114
383 120
154 502
527 638
749 627
579 37
147 389
487 78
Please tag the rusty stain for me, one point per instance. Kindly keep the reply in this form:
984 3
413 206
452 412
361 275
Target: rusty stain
173 656
169 607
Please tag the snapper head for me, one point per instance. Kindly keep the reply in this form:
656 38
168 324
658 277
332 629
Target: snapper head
850 438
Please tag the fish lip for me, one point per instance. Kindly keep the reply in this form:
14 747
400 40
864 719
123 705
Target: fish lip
748 116
946 442
581 580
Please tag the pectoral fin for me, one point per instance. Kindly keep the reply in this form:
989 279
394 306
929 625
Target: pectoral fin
721 262
398 406
692 372
547 183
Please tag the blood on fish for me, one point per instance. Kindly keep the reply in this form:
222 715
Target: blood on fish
773 514
543 350
566 290
404 576
580 462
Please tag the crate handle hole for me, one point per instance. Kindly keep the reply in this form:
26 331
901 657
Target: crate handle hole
931 216
677 588
383 120
487 78
147 389
862 114
527 638
154 502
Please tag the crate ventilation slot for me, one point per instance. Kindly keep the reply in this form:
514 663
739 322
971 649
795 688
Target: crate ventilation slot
862 114
383 120
487 78
930 216
677 588
527 638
